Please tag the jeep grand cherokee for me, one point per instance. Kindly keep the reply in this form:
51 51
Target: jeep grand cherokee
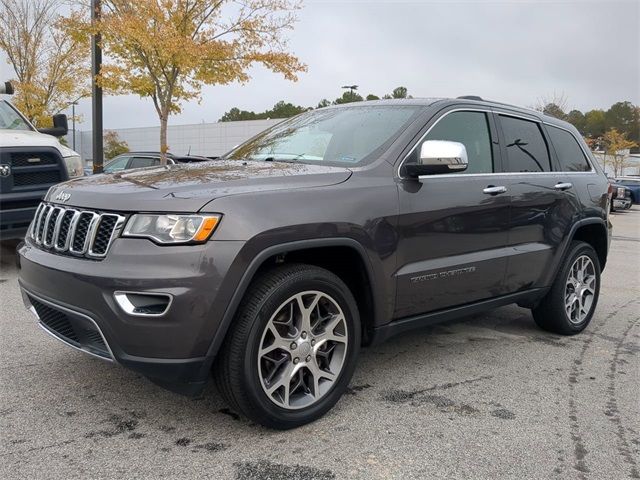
337 228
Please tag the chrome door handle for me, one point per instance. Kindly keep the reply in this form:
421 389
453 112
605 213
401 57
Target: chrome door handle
563 186
491 190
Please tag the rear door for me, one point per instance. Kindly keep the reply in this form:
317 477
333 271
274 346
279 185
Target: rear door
452 231
544 203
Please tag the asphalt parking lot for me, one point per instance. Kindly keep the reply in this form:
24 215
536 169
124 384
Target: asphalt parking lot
490 396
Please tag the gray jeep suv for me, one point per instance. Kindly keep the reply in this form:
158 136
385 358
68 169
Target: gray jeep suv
269 268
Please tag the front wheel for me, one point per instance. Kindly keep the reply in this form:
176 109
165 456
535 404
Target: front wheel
292 349
569 305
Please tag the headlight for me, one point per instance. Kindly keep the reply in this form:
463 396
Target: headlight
74 166
172 228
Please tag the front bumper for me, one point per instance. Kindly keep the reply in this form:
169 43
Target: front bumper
74 301
622 203
16 213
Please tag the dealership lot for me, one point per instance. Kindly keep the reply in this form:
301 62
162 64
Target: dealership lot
490 396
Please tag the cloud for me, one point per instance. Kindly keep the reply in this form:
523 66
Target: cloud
511 51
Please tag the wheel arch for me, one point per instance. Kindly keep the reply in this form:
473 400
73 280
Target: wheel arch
314 252
595 234
589 230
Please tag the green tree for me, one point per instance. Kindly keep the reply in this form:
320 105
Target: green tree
576 118
348 97
236 115
399 92
371 96
113 146
284 110
554 110
624 117
281 109
323 103
594 123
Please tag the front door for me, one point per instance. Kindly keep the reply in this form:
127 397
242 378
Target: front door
453 227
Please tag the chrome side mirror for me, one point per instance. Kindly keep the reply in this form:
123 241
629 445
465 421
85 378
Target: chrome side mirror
441 156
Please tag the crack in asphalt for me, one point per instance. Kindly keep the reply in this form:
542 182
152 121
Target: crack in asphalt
579 449
624 239
624 449
403 395
36 449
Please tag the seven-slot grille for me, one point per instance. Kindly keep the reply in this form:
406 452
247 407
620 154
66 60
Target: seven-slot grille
76 232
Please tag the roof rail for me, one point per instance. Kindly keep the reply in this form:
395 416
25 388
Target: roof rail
471 97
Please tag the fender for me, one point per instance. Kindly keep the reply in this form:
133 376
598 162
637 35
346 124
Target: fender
562 251
258 260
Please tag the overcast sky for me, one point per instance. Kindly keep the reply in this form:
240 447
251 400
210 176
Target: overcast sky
512 51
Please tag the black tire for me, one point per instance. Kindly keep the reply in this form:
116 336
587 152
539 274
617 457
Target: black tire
235 370
550 314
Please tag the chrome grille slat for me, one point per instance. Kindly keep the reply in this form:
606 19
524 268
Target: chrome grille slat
78 243
34 223
41 221
62 246
50 227
73 231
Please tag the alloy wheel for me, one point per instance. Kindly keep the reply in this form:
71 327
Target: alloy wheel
580 289
302 350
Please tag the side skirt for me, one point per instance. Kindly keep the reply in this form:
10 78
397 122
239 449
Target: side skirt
401 325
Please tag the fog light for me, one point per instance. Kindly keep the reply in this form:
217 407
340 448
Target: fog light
142 304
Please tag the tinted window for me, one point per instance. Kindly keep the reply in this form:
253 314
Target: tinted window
570 155
139 162
472 130
526 147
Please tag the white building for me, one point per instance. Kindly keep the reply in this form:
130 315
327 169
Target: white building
632 161
206 139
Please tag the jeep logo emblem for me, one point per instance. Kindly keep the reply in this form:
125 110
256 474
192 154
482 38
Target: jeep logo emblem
62 196
5 170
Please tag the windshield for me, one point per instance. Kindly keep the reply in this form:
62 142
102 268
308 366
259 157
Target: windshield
332 136
10 119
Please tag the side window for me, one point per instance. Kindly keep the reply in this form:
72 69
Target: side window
139 162
472 130
570 155
526 147
116 165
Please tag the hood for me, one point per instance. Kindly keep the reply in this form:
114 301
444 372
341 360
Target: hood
29 138
188 187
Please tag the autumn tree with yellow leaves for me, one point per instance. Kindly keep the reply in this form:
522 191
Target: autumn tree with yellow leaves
168 49
617 147
51 67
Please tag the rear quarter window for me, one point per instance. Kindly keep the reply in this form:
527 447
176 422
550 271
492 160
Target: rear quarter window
570 156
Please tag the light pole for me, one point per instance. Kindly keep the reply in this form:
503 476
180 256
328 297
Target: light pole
96 91
73 122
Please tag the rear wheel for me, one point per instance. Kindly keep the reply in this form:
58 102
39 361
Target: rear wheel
292 349
569 306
